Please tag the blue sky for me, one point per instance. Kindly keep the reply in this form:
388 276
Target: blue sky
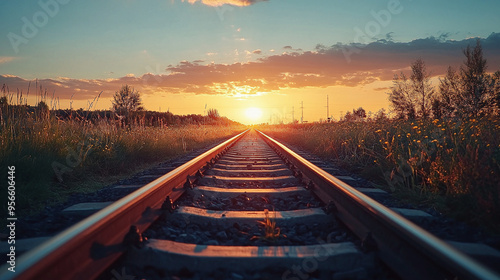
99 40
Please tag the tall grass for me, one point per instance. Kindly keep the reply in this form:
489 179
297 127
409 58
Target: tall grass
454 161
55 158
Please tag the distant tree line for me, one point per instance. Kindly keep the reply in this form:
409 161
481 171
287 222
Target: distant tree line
126 110
469 92
127 106
144 117
356 115
360 114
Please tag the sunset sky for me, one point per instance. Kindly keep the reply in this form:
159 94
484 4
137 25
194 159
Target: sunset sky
231 55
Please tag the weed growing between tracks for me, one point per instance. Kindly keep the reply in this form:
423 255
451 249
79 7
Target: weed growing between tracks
451 165
56 158
271 231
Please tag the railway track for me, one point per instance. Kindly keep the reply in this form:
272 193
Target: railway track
249 208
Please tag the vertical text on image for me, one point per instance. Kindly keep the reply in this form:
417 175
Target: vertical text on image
11 217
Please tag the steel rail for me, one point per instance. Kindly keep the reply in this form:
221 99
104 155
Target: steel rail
86 249
409 250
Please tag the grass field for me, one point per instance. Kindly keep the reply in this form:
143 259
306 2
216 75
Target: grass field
55 158
451 165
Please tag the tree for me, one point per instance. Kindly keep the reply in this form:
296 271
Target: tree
474 96
42 110
380 115
213 114
449 91
359 113
348 116
421 87
495 84
4 101
411 98
356 115
437 108
126 100
401 98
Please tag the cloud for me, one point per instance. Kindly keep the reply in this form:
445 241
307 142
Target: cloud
65 88
5 59
438 52
340 64
258 51
217 3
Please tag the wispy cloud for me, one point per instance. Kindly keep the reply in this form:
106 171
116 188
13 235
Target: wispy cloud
323 67
217 3
5 59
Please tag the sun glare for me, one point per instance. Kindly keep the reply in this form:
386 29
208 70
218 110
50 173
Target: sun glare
253 113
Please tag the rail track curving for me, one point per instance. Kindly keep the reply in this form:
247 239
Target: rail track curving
249 204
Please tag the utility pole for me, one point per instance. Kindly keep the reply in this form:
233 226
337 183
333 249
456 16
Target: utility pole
302 107
293 114
327 109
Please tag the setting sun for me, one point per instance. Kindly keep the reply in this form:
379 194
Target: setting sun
253 114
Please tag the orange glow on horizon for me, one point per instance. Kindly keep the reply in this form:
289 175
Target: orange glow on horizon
281 106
